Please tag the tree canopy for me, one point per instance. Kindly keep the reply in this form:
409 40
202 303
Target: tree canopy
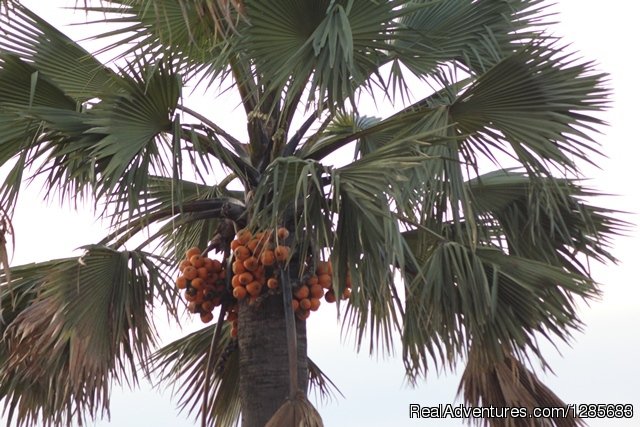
459 222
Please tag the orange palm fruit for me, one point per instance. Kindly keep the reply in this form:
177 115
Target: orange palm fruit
184 264
346 293
267 257
315 304
208 264
295 304
316 291
234 332
192 251
241 253
245 278
243 236
282 233
199 298
235 281
239 292
181 282
281 252
203 273
305 303
259 275
197 261
206 317
254 288
303 314
190 296
197 283
238 267
330 297
264 236
254 246
302 292
312 280
251 263
190 273
192 307
323 267
207 306
234 244
216 266
272 283
324 280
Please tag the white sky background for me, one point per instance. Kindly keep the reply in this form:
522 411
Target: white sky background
600 367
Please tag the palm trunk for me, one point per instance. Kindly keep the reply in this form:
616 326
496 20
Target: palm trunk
264 361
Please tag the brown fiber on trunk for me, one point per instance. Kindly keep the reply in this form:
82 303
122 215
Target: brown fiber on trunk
264 363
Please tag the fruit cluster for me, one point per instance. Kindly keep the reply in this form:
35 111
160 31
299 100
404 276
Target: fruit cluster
254 272
203 281
307 296
255 258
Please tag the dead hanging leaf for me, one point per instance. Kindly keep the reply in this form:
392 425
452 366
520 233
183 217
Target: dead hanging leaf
298 412
509 383
6 229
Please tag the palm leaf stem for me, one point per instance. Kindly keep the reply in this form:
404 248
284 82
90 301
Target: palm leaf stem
246 173
237 145
215 207
291 146
323 150
246 93
211 362
290 326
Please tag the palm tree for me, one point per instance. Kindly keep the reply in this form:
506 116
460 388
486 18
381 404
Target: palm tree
459 224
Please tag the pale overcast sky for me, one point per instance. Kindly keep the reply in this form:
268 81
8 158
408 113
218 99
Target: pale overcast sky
600 367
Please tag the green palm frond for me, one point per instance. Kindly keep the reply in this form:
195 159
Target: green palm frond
334 45
131 127
537 103
50 52
196 34
293 192
22 88
107 149
546 219
181 364
474 34
234 158
486 295
77 325
532 237
180 214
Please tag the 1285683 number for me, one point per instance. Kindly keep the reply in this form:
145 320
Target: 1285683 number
604 410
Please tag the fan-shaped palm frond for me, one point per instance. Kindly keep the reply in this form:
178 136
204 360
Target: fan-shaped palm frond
182 364
196 34
531 233
513 105
76 325
474 34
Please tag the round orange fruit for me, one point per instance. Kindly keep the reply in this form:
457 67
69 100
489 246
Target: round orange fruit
193 251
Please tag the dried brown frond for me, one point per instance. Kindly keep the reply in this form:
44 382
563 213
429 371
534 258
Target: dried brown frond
508 383
298 412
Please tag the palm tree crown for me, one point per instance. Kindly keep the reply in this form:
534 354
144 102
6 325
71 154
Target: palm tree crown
451 260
